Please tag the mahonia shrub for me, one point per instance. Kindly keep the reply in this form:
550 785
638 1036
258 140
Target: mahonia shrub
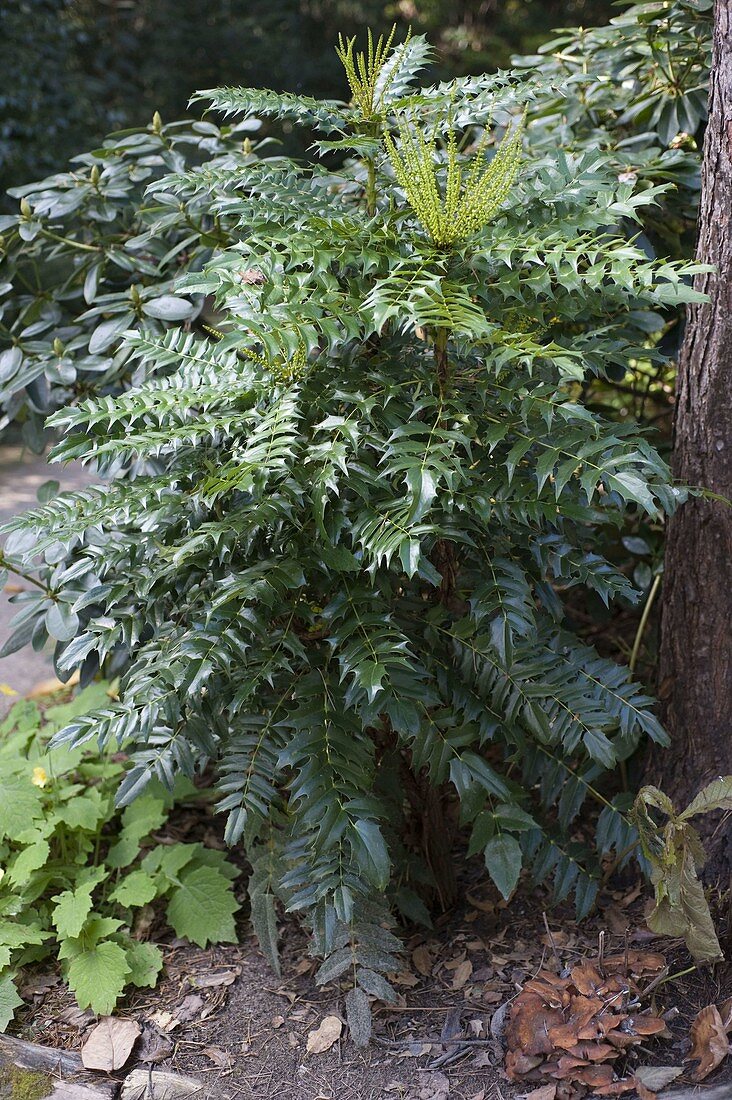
359 499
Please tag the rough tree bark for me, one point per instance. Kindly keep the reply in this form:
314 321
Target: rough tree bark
695 672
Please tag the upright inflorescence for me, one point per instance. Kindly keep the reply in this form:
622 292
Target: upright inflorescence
370 73
472 193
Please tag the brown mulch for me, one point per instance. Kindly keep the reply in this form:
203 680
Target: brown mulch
222 1015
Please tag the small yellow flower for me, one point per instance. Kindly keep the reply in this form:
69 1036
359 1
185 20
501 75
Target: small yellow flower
5 689
39 777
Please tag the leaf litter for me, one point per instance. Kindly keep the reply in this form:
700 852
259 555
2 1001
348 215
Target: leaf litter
458 988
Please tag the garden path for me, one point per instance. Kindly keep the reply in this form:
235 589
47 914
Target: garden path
21 475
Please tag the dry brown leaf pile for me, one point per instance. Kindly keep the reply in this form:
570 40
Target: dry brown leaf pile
571 1029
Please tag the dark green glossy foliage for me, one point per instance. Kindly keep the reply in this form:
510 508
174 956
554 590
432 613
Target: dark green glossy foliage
363 487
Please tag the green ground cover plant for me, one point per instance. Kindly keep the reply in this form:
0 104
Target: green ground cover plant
354 477
77 873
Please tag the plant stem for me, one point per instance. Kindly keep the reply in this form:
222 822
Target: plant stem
643 622
610 871
444 557
441 361
71 242
370 186
5 564
635 651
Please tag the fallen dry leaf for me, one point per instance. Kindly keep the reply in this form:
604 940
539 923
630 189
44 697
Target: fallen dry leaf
323 1037
406 979
654 1078
486 906
422 960
110 1044
637 962
76 1017
462 973
164 1020
154 1045
725 1011
39 984
219 1057
544 1092
709 1041
189 1008
215 977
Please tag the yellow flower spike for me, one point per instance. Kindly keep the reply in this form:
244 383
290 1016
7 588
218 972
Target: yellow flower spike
364 71
5 689
471 198
40 778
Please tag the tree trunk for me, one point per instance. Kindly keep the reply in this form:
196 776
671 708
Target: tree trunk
695 673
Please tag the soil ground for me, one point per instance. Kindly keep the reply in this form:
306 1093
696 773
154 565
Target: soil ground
223 1016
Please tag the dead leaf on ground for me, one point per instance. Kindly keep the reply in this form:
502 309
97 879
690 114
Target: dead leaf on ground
189 1008
544 1092
435 1086
709 1041
406 979
110 1044
656 1078
422 960
215 977
323 1037
651 1079
725 1011
638 963
484 906
462 973
76 1017
164 1020
39 985
154 1045
219 1057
